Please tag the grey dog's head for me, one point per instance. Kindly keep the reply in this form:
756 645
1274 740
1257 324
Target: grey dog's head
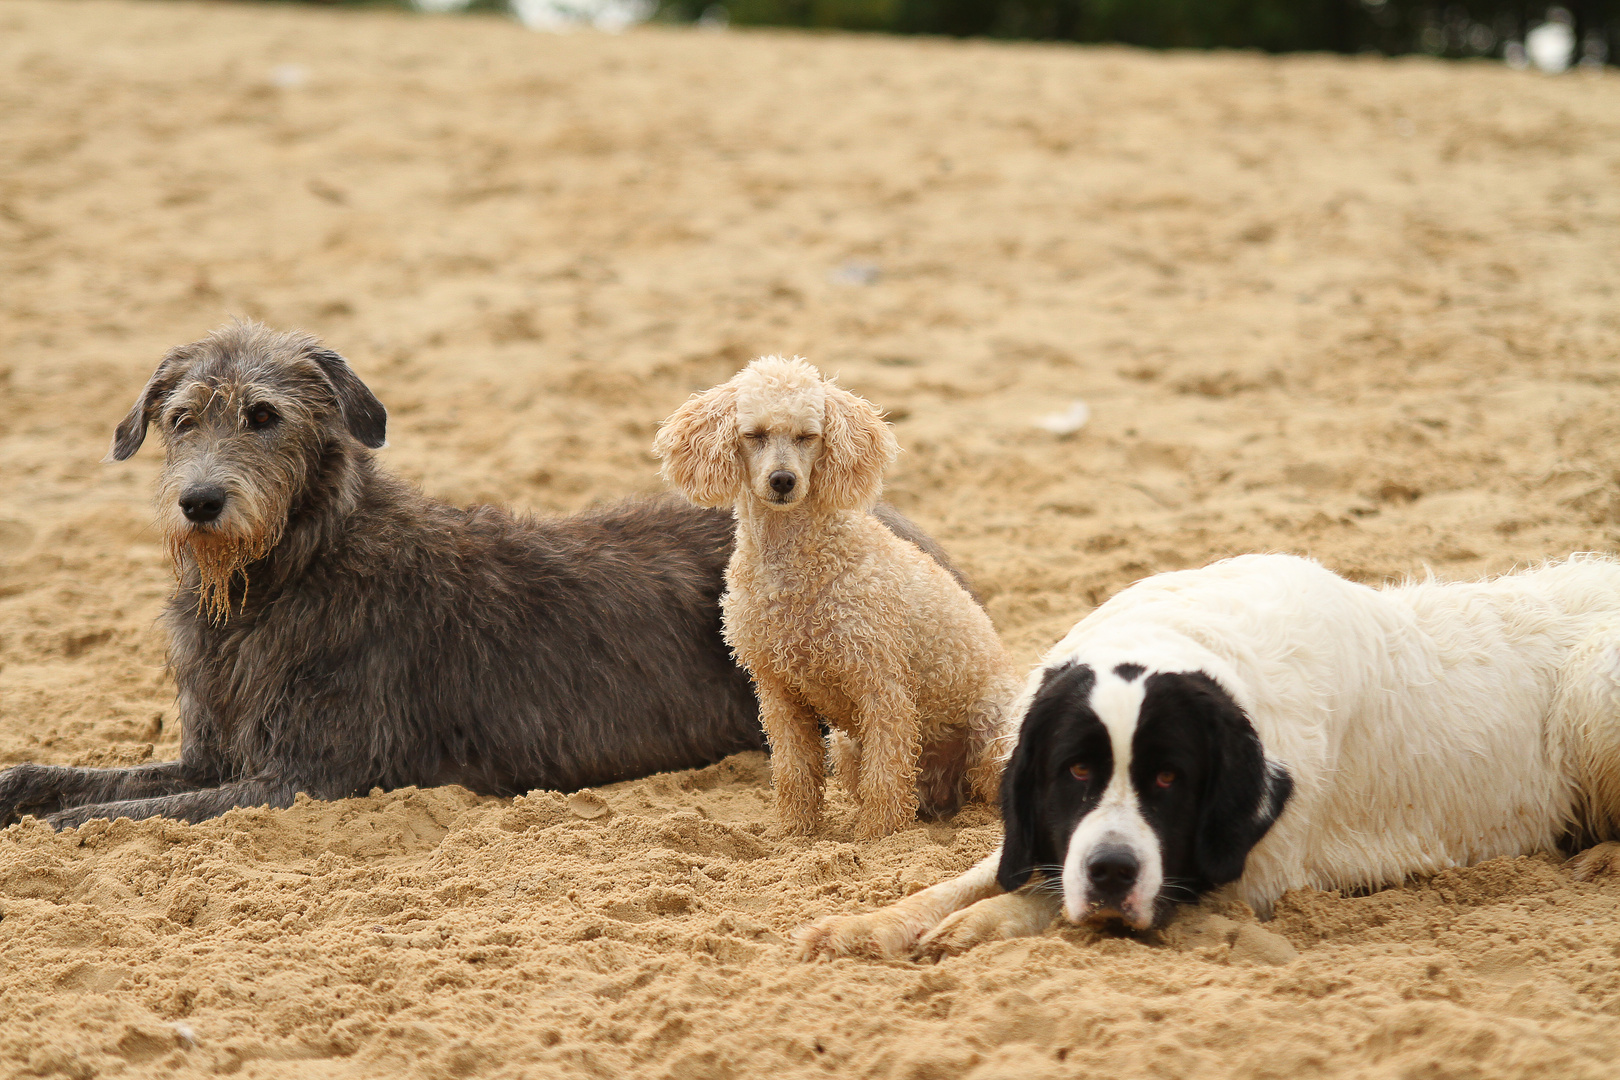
250 417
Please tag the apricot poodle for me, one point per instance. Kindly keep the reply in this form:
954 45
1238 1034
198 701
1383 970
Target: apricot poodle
835 617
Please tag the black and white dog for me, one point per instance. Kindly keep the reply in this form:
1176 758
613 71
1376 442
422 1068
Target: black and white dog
1265 724
1134 789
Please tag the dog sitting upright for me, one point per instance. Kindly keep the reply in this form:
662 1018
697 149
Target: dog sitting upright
834 617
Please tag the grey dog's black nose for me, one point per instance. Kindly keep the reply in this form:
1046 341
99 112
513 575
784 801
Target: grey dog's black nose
782 481
1112 869
202 504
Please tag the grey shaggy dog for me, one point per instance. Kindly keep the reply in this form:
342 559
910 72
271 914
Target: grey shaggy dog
333 630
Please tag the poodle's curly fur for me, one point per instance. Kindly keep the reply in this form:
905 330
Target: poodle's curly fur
835 617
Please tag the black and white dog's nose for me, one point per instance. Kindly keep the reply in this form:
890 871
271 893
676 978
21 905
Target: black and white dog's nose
1112 870
202 505
782 481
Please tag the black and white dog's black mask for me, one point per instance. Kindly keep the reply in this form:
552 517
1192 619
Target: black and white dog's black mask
1136 789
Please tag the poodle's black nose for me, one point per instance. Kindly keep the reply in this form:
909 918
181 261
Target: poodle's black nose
782 481
202 504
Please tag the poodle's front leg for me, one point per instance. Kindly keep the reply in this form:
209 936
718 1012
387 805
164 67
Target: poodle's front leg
797 766
891 742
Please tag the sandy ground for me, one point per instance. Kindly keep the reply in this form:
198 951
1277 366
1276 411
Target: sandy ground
1365 310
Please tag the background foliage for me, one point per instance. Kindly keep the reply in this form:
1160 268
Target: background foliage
1476 28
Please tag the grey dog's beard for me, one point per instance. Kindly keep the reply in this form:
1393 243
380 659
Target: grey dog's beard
218 558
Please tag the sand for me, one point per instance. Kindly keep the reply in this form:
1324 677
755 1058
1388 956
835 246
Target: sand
1360 309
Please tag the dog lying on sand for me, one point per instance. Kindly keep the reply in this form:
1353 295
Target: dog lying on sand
1263 723
333 630
835 618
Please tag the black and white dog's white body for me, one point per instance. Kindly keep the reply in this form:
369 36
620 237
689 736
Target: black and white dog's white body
1265 723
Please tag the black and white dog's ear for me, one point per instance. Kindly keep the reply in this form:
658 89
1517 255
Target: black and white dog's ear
1028 845
131 430
363 414
1019 854
1247 792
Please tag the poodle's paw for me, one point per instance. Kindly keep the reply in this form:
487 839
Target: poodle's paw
798 817
999 918
885 934
876 828
801 826
883 817
1595 862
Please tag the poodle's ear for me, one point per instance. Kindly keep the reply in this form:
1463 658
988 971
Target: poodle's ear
856 447
699 446
131 430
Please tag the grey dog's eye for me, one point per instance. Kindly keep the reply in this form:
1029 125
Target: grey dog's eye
182 422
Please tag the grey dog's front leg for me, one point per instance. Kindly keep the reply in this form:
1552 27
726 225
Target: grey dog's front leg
45 789
192 806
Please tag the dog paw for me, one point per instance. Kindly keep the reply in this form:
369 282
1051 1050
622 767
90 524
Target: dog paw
1595 862
798 818
884 934
21 789
996 919
799 826
73 817
876 830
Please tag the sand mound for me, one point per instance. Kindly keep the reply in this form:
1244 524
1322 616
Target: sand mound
1364 310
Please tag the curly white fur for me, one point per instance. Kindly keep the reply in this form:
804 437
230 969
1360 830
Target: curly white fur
1426 725
833 615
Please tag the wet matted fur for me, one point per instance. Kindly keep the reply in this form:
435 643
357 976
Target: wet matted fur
333 630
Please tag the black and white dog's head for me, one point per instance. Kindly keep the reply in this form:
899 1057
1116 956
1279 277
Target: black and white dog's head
1144 787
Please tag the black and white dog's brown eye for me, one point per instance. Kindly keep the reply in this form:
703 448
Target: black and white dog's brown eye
1164 779
261 416
1080 773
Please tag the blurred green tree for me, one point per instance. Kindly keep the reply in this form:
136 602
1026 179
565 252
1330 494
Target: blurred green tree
1459 29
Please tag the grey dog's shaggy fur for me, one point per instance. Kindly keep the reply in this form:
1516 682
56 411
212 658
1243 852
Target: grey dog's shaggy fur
333 630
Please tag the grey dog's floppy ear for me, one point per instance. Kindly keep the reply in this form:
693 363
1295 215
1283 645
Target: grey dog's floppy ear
364 415
856 447
699 446
131 430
